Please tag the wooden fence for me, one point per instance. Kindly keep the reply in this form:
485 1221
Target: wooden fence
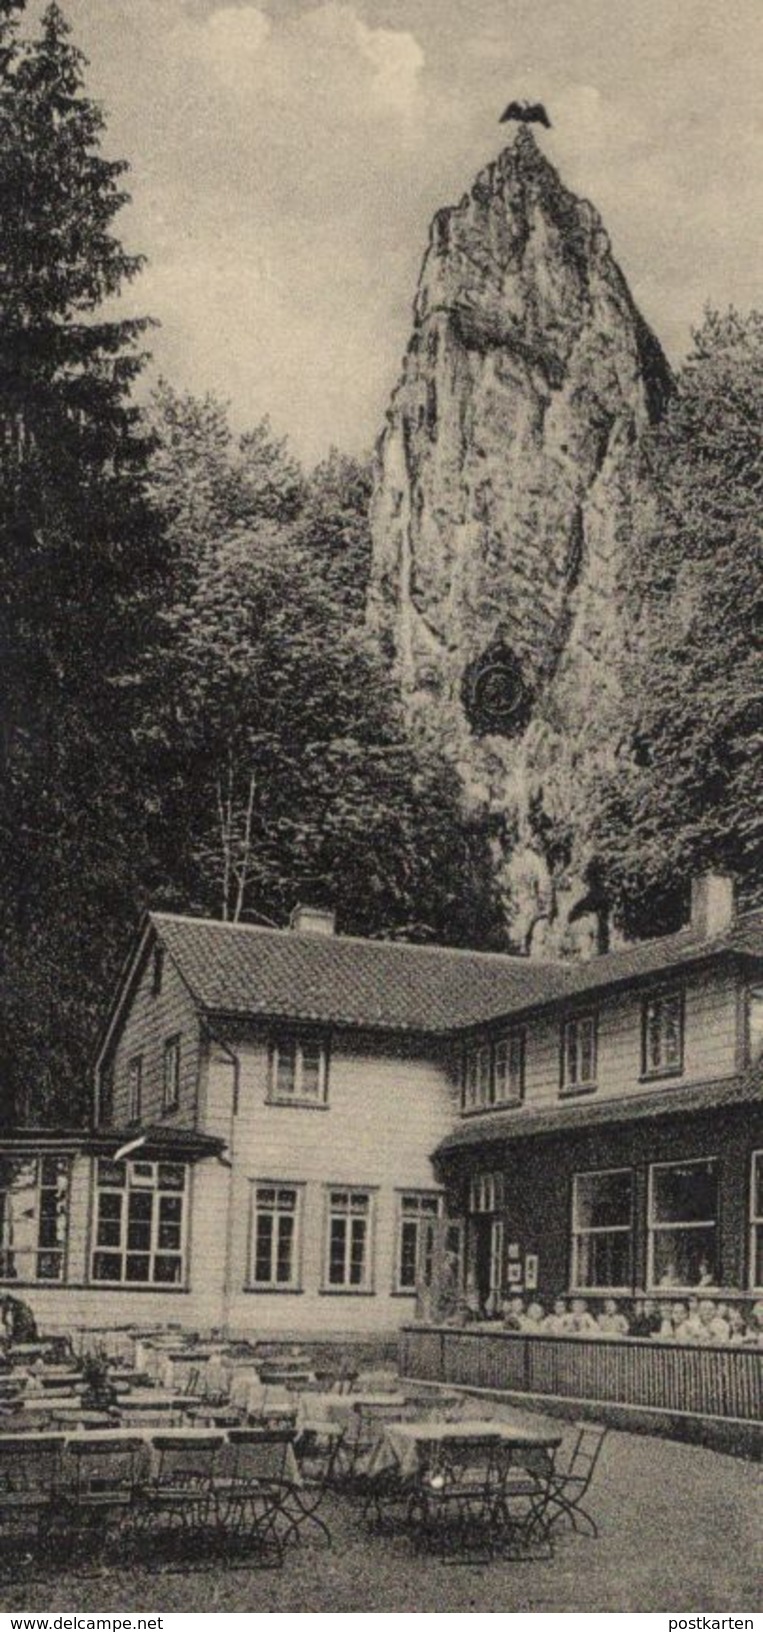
711 1381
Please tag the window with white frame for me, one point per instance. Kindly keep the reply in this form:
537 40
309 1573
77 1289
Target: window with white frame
579 1054
348 1241
418 1212
298 1070
602 1230
34 1203
662 1034
485 1192
274 1263
478 1077
493 1072
171 1076
756 1222
683 1215
139 1232
135 1089
509 1068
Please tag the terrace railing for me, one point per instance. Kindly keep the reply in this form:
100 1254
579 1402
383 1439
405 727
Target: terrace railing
708 1381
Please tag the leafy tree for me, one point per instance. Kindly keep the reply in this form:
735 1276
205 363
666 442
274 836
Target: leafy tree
204 480
287 768
685 790
300 778
334 527
79 578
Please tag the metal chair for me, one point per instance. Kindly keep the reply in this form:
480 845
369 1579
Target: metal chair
253 1489
177 1499
522 1485
570 1482
454 1499
29 1470
98 1488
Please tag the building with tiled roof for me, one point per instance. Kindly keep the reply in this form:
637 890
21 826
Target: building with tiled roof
292 1128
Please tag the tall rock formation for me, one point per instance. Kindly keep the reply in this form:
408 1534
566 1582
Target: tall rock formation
500 516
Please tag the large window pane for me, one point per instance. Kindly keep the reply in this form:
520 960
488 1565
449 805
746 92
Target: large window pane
684 1203
685 1257
34 1193
274 1261
139 1222
684 1195
602 1229
348 1239
602 1199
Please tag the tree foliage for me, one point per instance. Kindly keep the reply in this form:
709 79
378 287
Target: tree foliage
685 791
79 570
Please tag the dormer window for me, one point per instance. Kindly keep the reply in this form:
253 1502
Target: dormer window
579 1054
493 1072
662 1047
298 1070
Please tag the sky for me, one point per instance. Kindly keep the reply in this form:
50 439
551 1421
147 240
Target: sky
287 157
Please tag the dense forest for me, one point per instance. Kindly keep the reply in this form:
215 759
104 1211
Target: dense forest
195 715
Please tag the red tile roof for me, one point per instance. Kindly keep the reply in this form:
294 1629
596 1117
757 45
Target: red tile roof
243 971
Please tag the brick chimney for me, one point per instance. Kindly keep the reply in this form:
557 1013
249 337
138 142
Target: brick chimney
313 920
712 904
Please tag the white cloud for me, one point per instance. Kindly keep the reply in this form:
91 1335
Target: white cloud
325 59
231 42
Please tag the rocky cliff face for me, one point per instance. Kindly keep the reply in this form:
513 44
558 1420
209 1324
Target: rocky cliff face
500 515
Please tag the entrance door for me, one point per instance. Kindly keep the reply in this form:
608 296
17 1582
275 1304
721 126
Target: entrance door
482 1226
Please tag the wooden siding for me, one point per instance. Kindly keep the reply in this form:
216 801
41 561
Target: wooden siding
388 1107
146 1024
711 1039
538 1179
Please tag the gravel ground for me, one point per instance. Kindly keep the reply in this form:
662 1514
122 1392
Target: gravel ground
681 1530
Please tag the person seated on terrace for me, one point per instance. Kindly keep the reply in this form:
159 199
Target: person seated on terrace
713 1327
737 1326
558 1322
580 1321
17 1323
535 1318
646 1320
754 1334
610 1322
687 1326
513 1315
674 1315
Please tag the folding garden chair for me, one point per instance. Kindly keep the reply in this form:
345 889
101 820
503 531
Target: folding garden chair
98 1488
29 1469
571 1480
177 1499
522 1477
453 1502
253 1491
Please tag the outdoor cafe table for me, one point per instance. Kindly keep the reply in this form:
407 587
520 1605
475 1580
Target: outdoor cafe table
257 1399
155 1399
409 1446
343 1409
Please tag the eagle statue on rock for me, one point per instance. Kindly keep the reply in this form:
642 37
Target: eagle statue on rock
526 113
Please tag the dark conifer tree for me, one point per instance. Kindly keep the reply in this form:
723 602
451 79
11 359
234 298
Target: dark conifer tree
78 563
